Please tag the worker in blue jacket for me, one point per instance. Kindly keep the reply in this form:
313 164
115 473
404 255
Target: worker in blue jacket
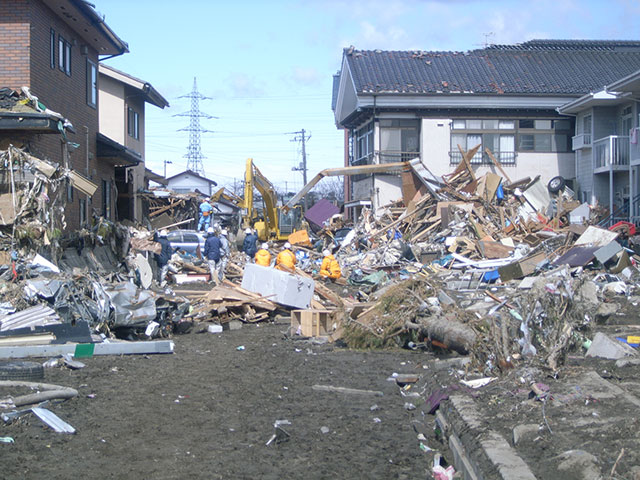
162 259
250 244
212 247
206 211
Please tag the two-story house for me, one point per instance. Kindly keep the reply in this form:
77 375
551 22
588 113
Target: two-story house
607 153
400 105
54 48
122 100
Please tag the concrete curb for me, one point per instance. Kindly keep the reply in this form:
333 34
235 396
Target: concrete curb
479 452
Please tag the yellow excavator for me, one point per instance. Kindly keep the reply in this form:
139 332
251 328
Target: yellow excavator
280 222
275 223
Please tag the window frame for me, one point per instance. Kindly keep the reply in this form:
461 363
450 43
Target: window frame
64 55
465 129
106 199
52 48
83 210
133 123
92 84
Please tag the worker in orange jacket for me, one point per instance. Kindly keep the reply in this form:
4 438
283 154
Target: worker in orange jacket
286 259
330 267
262 256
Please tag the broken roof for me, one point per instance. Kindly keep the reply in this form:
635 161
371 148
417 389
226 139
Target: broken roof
559 67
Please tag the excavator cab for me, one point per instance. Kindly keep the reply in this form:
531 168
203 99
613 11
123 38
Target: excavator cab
289 221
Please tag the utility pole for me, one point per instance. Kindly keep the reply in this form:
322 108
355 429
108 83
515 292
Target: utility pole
300 137
165 167
194 154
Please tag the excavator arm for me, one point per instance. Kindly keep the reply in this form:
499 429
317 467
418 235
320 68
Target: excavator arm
355 170
254 178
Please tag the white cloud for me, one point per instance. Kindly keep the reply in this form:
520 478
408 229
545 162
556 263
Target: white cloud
242 85
307 76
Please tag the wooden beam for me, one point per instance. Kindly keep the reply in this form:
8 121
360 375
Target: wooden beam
466 158
497 164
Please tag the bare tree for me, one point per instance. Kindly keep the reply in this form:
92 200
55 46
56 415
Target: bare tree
330 188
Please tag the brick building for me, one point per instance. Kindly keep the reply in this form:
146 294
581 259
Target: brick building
53 47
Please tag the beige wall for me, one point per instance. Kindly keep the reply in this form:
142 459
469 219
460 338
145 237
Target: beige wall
435 138
112 109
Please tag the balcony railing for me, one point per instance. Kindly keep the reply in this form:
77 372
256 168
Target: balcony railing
392 156
581 141
611 151
481 158
634 149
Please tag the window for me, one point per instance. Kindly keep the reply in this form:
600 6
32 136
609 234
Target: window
544 135
64 55
364 145
92 84
69 192
495 134
399 140
586 124
106 199
83 211
133 125
52 49
175 237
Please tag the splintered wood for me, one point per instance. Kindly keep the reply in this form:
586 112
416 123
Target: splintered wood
228 302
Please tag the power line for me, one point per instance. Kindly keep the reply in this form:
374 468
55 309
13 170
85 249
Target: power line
194 153
299 137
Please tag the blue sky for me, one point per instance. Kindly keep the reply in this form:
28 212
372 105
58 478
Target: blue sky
268 65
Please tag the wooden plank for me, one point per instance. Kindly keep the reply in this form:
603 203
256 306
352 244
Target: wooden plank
466 158
497 164
350 391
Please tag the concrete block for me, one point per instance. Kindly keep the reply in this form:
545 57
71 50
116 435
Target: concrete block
525 432
605 310
280 287
509 464
604 347
581 463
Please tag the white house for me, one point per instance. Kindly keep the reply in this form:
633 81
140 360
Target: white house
401 105
190 181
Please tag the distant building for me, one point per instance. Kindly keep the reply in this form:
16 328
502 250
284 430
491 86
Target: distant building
190 181
121 141
607 147
400 105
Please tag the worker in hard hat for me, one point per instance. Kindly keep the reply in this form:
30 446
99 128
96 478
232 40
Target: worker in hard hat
225 253
212 254
162 259
206 211
330 267
263 257
250 244
286 259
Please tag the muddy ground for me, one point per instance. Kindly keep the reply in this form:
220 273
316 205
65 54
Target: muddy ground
207 411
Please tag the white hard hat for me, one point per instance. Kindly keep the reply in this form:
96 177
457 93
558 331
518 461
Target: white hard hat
223 231
210 230
247 231
287 245
326 252
265 246
163 233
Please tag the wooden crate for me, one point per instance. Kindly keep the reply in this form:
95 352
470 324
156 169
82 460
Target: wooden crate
312 323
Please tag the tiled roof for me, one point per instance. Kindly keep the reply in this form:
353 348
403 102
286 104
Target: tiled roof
555 67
